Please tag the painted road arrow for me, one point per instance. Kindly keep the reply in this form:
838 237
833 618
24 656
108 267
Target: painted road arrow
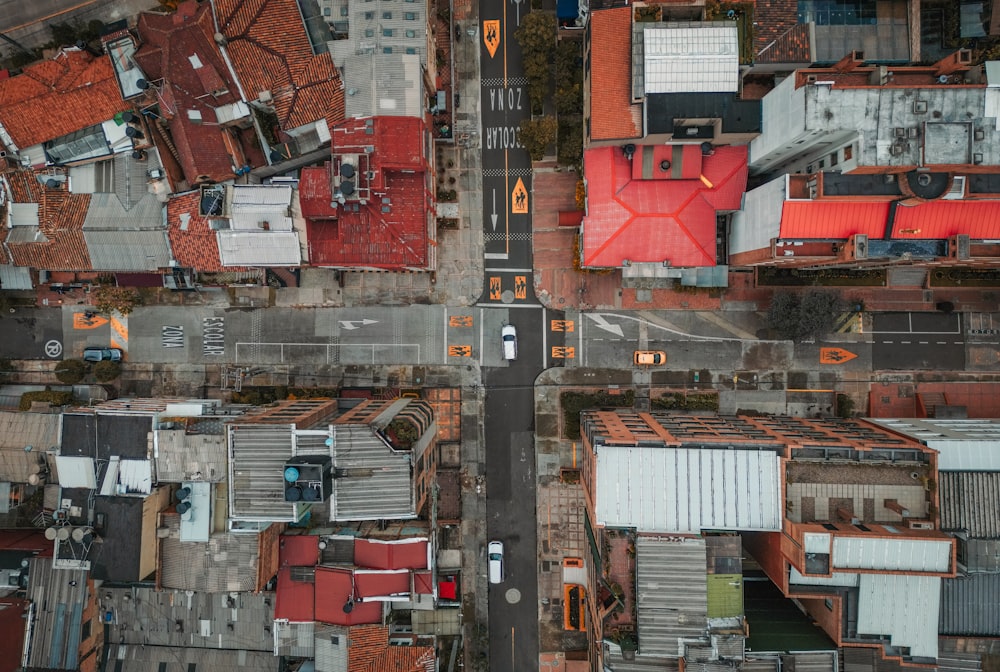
355 324
494 216
602 323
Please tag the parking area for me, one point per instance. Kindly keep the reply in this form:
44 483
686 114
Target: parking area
908 341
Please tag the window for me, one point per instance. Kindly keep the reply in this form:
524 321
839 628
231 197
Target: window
326 11
848 152
369 16
370 32
386 50
822 164
411 50
411 33
833 159
85 630
387 32
828 603
410 16
386 15
343 10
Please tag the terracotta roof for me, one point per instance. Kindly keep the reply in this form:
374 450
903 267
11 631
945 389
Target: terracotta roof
56 97
398 554
13 620
194 244
833 219
172 44
612 114
389 231
294 600
778 33
270 51
60 221
980 219
661 216
369 651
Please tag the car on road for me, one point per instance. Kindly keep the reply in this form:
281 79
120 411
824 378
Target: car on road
98 354
508 334
649 357
495 553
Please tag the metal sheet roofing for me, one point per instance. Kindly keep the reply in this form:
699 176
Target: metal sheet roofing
658 489
833 220
76 472
914 555
691 59
139 658
116 250
657 220
392 554
962 445
671 593
969 606
970 502
257 456
378 83
979 219
902 607
263 248
334 588
376 482
60 596
193 565
296 598
18 430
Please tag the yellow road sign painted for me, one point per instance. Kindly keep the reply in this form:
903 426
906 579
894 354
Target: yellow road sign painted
519 199
559 352
495 288
520 287
491 36
835 355
81 321
563 325
460 321
460 351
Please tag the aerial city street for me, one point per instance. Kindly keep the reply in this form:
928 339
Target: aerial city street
500 335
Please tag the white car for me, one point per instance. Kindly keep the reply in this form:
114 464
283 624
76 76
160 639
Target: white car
508 334
495 553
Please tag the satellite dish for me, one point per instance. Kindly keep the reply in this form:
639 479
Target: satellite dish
346 170
276 156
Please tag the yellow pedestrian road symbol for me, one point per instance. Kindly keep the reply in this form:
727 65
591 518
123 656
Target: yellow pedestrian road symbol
495 288
520 287
563 325
460 351
460 321
491 35
519 199
835 355
559 352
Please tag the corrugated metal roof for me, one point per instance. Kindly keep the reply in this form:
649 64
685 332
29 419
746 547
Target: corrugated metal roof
979 219
657 489
378 83
257 455
915 555
15 277
136 658
295 639
982 555
832 220
955 661
671 593
107 212
117 250
377 482
76 472
331 648
226 562
263 248
260 194
969 606
144 615
759 220
23 214
902 607
181 456
970 502
41 431
963 445
60 596
691 59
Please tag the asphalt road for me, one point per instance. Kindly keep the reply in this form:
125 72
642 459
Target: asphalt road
910 341
32 333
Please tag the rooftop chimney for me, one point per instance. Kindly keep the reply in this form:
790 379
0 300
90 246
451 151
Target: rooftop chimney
960 61
850 62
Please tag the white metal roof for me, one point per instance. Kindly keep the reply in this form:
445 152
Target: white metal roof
836 579
259 248
691 59
915 555
963 445
904 607
656 489
76 472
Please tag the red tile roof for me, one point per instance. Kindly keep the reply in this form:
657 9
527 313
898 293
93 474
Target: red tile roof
833 219
369 651
333 590
980 219
612 114
401 554
270 51
56 97
294 600
207 151
60 218
193 244
392 229
13 619
658 218
778 35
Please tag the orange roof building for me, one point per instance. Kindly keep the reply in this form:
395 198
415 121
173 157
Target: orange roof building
613 115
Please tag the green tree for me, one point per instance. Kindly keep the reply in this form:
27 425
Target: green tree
109 298
70 371
537 134
537 37
569 99
797 317
107 371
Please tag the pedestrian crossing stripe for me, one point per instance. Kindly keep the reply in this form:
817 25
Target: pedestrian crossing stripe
849 323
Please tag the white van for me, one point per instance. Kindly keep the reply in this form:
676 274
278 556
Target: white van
509 336
495 553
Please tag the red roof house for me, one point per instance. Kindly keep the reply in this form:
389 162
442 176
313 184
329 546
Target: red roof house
195 91
369 650
48 224
274 60
193 243
294 598
395 554
70 92
658 204
335 590
613 116
371 206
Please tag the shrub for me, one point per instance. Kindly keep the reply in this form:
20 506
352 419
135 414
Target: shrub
845 406
109 298
54 398
795 318
105 372
537 134
70 371
574 402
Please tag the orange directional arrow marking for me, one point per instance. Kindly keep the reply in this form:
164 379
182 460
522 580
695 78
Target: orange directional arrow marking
81 321
491 35
835 355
